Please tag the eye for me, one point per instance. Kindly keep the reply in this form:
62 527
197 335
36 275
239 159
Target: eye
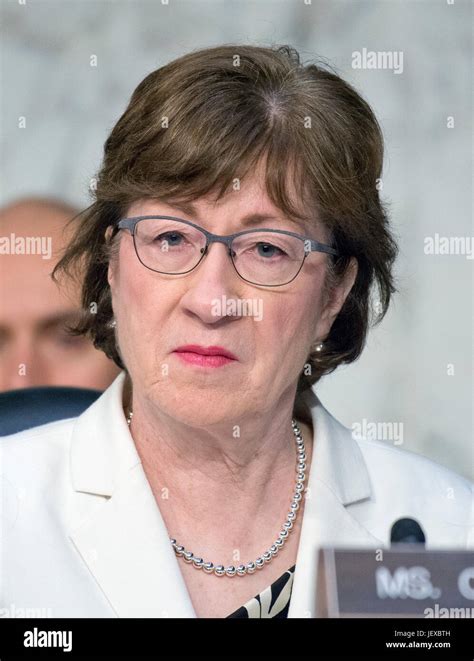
269 250
61 338
171 238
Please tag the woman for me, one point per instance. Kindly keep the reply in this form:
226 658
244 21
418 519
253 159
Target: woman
230 253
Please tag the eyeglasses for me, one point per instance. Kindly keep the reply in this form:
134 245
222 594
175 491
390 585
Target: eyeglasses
266 257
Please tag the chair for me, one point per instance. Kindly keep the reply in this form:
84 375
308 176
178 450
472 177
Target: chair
31 407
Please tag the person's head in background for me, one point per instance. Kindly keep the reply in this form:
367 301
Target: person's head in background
35 347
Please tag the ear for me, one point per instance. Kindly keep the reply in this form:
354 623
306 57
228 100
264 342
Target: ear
335 300
111 267
110 275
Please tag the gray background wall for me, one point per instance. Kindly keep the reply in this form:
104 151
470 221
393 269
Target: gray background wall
404 376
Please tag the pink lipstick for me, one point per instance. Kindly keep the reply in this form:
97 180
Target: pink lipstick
212 356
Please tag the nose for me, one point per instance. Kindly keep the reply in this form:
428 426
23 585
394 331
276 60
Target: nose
212 281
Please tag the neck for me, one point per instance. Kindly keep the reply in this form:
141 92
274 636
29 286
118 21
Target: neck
199 466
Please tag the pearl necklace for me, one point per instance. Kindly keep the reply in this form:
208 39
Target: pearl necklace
275 548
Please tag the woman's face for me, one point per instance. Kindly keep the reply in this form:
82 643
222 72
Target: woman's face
270 335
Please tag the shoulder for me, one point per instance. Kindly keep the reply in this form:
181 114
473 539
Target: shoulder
405 484
34 476
28 455
43 435
401 467
395 482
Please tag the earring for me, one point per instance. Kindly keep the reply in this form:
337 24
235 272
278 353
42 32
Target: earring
319 347
112 324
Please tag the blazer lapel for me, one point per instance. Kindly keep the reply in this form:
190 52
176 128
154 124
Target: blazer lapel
338 477
122 538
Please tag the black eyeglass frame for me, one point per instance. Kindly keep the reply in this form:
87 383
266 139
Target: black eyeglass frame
315 246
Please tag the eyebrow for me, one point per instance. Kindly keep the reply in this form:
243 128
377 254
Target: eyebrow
249 219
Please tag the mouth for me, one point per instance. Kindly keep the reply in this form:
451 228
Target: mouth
205 356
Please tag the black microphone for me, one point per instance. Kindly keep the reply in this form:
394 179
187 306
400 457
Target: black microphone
407 531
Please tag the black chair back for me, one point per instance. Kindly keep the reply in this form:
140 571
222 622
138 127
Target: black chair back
31 407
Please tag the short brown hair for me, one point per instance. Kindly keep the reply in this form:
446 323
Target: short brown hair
196 124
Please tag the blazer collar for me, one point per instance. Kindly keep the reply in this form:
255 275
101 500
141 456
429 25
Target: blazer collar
102 449
338 478
339 463
123 538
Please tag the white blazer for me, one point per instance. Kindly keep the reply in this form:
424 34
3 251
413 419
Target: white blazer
81 533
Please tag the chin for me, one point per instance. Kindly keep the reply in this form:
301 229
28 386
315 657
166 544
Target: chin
200 414
199 407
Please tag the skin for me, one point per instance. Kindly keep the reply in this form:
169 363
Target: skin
34 311
218 492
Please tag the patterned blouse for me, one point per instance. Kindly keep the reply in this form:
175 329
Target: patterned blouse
274 601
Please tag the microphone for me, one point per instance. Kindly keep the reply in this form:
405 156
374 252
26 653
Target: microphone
407 531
